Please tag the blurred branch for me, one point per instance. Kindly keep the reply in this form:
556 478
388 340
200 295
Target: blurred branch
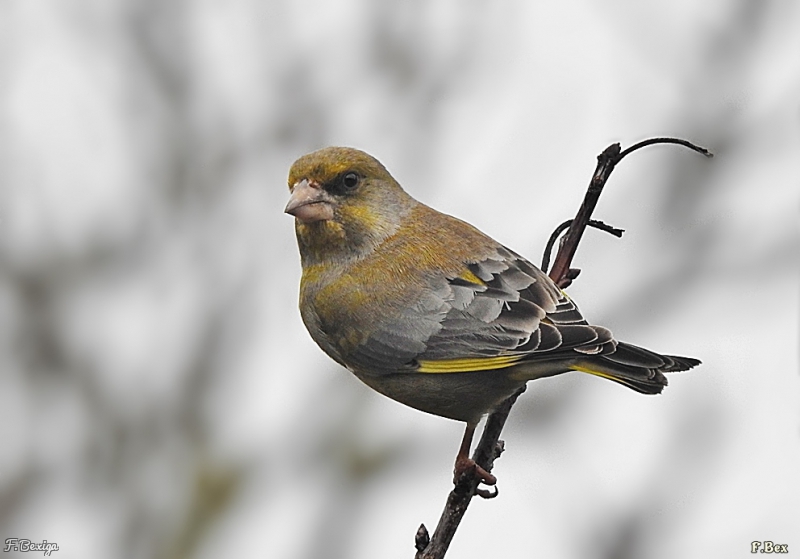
490 446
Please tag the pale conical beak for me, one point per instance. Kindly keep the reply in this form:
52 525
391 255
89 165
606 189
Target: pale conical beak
309 202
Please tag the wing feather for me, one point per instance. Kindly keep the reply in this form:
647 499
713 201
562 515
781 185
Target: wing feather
494 314
519 312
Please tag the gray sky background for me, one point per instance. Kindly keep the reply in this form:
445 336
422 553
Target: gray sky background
159 396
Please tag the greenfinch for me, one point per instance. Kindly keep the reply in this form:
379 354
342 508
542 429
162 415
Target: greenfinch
431 312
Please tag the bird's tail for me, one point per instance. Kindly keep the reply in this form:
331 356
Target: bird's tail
635 367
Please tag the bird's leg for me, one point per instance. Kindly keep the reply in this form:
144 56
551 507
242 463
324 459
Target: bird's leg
465 464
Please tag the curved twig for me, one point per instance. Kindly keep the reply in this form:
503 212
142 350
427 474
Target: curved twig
597 224
561 273
677 141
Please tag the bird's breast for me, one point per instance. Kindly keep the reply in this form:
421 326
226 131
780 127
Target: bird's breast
396 293
342 310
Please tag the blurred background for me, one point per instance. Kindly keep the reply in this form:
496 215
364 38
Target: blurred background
159 396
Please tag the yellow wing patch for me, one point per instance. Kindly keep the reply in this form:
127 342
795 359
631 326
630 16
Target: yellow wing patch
467 275
604 375
468 365
593 372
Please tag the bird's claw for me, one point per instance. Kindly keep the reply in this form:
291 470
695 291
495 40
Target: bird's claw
466 466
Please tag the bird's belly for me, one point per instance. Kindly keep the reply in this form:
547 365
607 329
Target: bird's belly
461 396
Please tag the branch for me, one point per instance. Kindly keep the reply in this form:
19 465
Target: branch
561 273
490 446
561 228
488 450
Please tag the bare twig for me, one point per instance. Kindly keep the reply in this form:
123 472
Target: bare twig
548 250
488 450
561 273
677 141
490 445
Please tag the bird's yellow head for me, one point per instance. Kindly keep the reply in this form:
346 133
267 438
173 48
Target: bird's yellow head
344 203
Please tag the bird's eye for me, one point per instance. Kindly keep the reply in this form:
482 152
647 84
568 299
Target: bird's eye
350 181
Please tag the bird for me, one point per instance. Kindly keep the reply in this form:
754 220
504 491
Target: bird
426 309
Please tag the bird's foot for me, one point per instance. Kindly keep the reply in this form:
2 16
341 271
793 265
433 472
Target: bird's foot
466 466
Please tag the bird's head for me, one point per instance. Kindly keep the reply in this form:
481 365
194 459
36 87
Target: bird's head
344 203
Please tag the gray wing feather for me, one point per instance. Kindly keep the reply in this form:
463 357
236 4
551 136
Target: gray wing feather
515 310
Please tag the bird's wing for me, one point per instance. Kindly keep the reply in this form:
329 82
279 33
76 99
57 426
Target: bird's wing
492 315
505 310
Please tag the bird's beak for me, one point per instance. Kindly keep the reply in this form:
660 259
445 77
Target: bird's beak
309 202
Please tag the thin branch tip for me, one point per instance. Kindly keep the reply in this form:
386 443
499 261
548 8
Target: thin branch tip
677 141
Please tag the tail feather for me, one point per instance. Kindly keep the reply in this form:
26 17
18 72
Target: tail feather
635 367
677 364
